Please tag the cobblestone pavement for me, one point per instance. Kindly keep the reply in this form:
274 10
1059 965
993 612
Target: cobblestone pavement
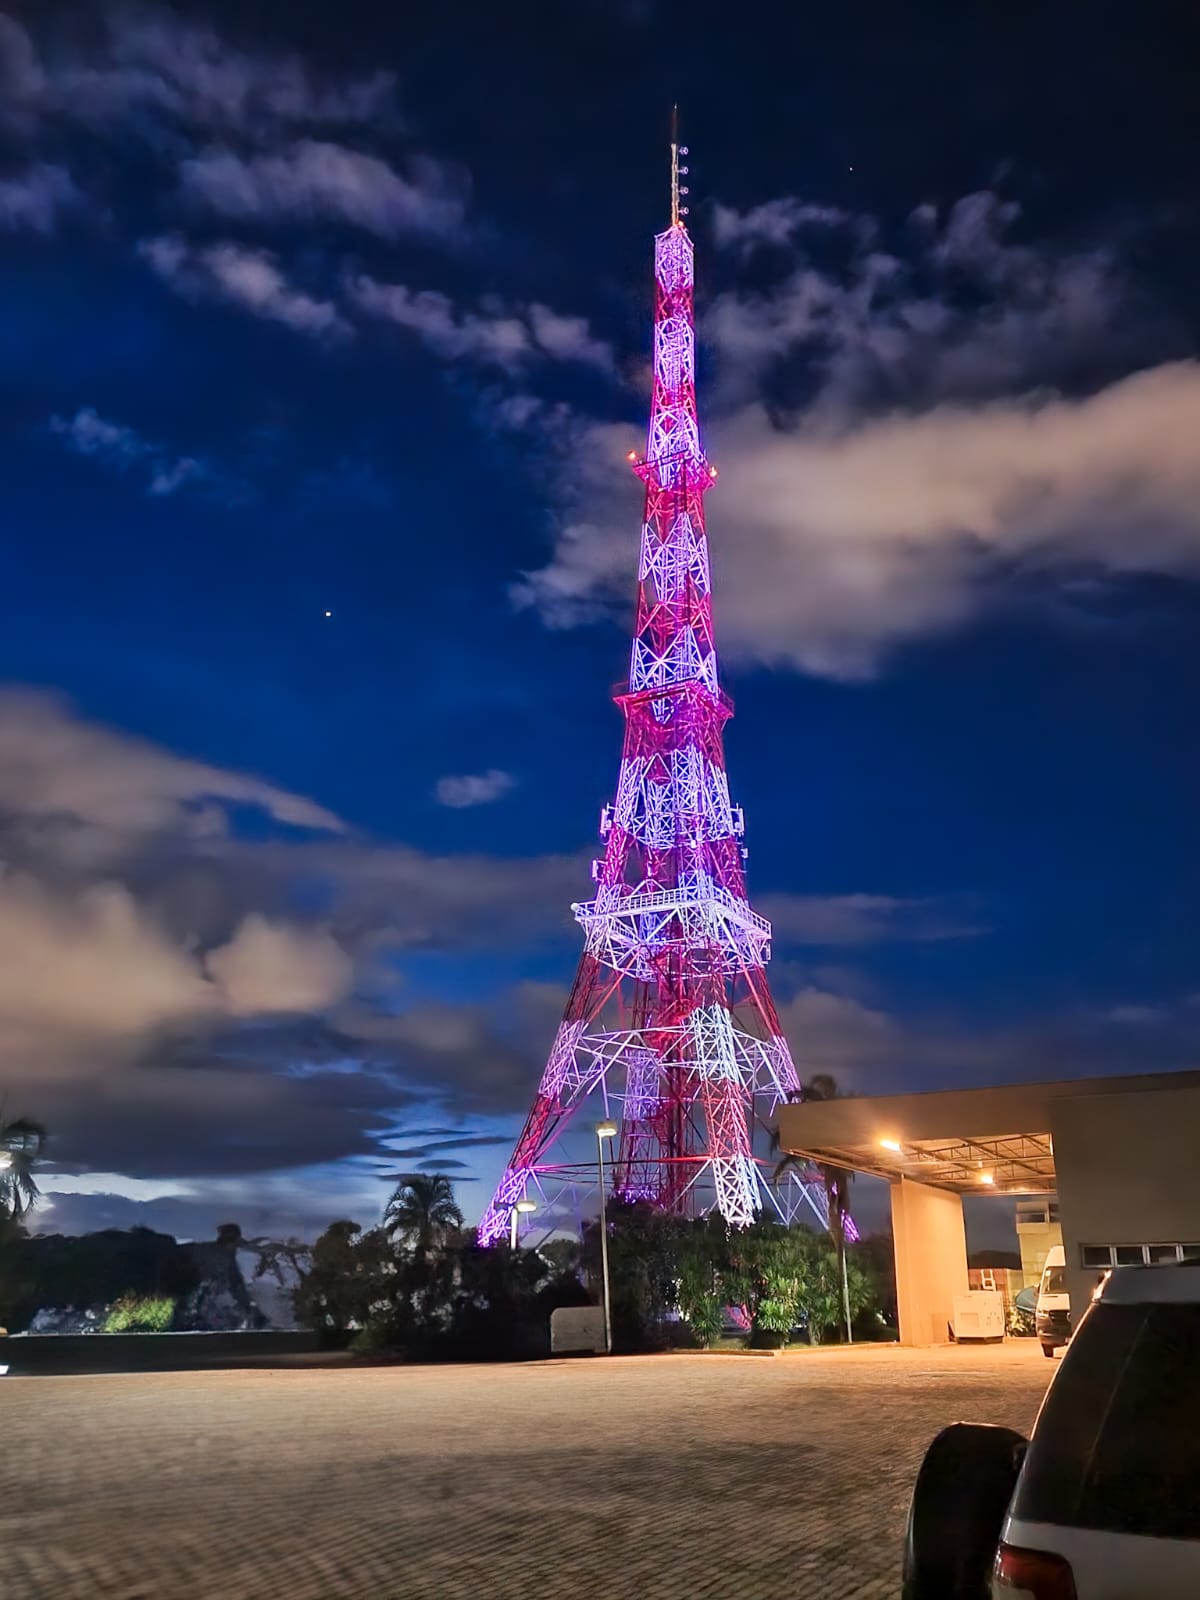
647 1478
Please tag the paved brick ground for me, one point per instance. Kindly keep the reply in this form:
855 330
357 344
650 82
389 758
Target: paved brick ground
658 1478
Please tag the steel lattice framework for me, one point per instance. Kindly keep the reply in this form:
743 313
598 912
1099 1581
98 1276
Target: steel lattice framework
670 1018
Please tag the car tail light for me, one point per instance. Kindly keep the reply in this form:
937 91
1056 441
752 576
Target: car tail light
1031 1575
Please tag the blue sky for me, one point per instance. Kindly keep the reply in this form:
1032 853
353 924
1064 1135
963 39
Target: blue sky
302 317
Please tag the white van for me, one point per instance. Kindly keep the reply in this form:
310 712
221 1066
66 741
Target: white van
1053 1318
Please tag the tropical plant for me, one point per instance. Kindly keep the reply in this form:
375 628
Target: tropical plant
22 1141
134 1314
700 1253
836 1182
766 1272
422 1213
834 1288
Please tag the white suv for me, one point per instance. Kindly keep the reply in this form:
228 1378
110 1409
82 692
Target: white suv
1104 1502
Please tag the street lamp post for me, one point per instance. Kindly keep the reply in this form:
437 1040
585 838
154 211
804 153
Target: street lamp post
605 1130
522 1208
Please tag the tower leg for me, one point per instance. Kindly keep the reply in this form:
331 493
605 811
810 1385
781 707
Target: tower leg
723 1096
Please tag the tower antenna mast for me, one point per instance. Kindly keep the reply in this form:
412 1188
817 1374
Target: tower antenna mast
669 1029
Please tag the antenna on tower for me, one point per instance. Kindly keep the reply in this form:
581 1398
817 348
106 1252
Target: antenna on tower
678 212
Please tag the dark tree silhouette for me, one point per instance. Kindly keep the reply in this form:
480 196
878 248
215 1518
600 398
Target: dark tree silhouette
21 1143
423 1213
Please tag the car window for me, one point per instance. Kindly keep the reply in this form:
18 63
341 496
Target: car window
1055 1280
1117 1444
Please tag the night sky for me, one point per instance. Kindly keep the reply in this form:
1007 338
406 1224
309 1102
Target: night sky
323 335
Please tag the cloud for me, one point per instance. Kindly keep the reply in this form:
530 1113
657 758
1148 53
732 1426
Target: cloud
152 69
961 310
88 794
856 537
774 222
862 919
88 964
121 448
95 965
565 338
902 432
1136 1016
833 1033
268 967
480 789
314 181
247 278
22 80
37 199
508 338
169 1007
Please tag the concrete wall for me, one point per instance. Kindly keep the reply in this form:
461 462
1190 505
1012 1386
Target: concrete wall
931 1259
1127 1173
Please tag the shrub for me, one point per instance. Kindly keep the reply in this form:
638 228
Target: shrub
132 1314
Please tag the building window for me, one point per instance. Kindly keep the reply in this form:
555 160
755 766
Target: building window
1102 1256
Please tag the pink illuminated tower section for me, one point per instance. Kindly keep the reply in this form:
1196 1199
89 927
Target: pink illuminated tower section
670 1029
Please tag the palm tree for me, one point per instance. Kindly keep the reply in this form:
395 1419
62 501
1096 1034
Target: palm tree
837 1180
422 1211
21 1143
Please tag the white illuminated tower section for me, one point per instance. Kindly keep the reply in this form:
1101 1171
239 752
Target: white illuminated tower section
670 1028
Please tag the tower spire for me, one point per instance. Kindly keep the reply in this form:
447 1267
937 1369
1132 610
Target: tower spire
678 212
670 1019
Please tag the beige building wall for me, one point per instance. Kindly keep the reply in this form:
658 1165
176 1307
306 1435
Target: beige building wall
1036 1240
931 1259
1128 1173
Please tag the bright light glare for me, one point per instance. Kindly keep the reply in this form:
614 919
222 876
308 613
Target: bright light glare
987 1177
606 1130
890 1144
526 1205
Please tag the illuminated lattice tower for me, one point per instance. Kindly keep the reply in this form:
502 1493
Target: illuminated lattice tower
670 1029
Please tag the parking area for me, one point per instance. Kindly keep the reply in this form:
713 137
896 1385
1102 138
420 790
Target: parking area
666 1476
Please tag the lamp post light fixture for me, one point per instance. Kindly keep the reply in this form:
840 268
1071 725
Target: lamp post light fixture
522 1208
605 1130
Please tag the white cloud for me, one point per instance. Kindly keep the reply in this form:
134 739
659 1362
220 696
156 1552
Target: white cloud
479 789
269 967
36 199
240 276
96 791
501 340
498 336
565 338
314 181
928 456
152 67
774 222
964 312
853 538
120 448
91 964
